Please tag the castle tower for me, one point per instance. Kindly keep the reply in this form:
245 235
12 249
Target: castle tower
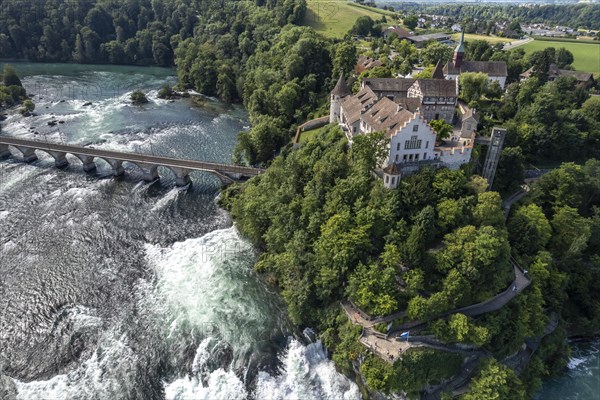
340 91
459 51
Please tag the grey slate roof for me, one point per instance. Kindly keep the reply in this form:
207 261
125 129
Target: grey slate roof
425 38
353 105
492 68
437 87
385 116
341 88
438 72
471 113
389 84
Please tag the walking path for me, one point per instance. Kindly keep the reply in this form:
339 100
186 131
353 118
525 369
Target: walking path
512 199
519 284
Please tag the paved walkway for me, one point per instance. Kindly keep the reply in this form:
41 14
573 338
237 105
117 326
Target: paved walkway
512 199
519 284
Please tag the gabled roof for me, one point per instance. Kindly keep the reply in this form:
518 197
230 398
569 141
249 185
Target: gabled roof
428 37
471 113
400 32
364 63
385 116
492 68
388 84
353 105
438 72
411 104
437 87
341 88
555 72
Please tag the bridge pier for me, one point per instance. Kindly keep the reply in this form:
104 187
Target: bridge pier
28 153
60 158
87 161
117 166
182 176
4 151
149 171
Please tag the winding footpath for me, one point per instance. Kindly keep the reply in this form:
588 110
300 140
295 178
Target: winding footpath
390 347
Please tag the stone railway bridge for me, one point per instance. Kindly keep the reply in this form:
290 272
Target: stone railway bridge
148 164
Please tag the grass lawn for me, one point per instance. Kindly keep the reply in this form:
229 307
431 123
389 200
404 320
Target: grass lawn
308 135
334 18
491 39
587 55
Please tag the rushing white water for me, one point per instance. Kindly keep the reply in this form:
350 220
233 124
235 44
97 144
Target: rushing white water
116 289
307 373
198 282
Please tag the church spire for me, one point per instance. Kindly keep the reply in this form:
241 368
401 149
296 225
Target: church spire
459 51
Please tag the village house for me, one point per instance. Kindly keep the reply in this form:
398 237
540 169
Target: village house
585 79
396 107
365 63
495 70
400 33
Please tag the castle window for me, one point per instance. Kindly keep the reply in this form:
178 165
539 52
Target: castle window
398 146
415 128
427 144
393 180
413 143
417 157
424 156
387 179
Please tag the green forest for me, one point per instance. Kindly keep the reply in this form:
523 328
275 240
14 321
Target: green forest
584 16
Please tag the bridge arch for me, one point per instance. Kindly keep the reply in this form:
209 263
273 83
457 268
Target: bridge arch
149 171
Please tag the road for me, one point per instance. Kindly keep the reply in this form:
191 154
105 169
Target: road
516 43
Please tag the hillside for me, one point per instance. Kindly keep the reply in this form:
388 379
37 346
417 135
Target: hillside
334 18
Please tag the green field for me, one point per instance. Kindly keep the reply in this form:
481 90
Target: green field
587 55
491 39
334 18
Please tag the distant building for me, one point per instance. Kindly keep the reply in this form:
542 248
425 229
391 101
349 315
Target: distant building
456 28
400 33
584 78
422 40
496 70
365 63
